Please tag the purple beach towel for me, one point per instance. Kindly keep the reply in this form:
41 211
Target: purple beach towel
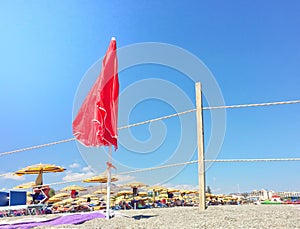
68 219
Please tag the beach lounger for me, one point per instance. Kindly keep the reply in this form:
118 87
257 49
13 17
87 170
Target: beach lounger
17 198
4 198
41 194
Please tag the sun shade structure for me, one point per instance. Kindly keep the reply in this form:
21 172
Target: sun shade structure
143 193
172 190
40 169
188 192
36 169
67 201
124 193
58 197
54 199
88 196
156 188
61 195
135 185
100 179
102 191
25 185
74 187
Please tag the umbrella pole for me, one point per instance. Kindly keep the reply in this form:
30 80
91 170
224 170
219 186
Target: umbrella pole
108 183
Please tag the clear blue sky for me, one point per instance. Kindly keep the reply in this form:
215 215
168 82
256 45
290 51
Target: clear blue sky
251 47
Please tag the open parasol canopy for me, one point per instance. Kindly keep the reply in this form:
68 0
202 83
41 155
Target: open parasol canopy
54 199
188 192
156 188
163 195
88 196
40 169
171 190
25 185
102 191
68 201
36 169
124 193
100 179
143 194
135 185
61 195
74 187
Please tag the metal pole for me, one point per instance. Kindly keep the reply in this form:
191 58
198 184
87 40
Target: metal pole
201 164
108 183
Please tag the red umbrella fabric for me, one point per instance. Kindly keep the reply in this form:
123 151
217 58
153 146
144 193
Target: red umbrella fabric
96 121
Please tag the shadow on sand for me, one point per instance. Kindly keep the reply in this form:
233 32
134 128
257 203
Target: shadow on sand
138 217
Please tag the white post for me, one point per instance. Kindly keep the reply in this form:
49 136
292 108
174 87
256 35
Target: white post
108 183
201 165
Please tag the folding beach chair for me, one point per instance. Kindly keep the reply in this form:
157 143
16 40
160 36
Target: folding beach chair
41 193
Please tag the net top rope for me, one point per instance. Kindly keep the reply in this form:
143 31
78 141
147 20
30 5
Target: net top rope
155 120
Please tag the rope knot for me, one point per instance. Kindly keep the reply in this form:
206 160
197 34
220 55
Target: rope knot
110 165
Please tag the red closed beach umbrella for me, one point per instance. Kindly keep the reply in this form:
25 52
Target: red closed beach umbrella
96 122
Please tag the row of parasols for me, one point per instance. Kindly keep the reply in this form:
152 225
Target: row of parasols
63 198
49 168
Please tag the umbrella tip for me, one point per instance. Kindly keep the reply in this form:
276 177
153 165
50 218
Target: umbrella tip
113 38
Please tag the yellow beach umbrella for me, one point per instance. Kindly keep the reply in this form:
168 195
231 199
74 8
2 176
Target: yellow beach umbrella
61 195
69 200
188 191
136 198
121 198
54 199
156 188
74 187
172 190
124 193
65 202
58 203
135 184
143 194
100 179
36 169
161 196
40 169
80 200
25 185
102 191
88 196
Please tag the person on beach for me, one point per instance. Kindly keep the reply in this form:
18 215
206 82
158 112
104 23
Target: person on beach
88 200
73 194
41 194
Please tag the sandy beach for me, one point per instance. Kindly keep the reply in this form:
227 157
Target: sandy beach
244 216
